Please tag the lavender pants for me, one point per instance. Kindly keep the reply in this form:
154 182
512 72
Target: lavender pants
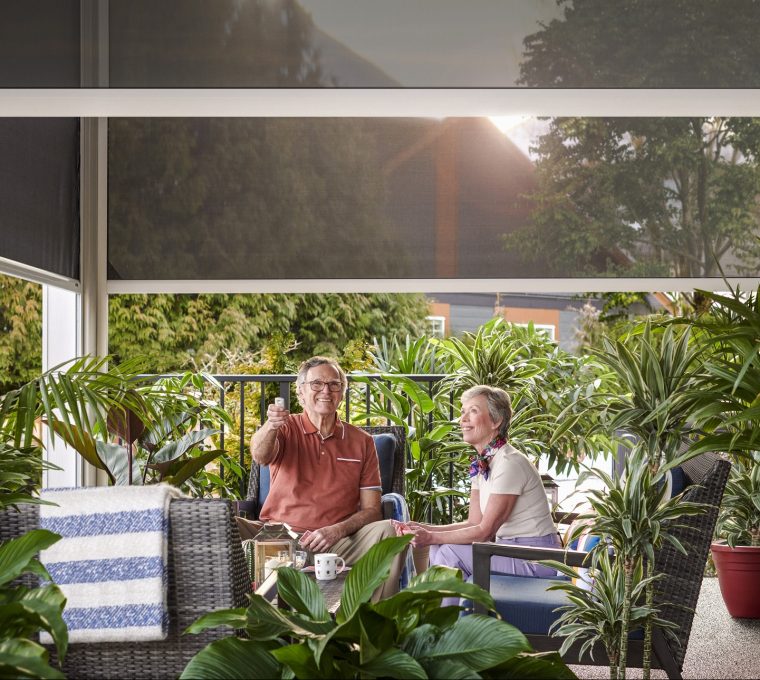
460 557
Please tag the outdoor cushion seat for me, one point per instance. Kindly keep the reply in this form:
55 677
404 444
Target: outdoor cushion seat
526 603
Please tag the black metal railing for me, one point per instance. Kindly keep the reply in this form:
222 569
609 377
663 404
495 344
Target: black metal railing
269 386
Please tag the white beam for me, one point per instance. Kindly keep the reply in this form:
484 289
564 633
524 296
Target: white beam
376 102
586 285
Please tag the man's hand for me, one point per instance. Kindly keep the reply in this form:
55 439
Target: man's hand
322 539
277 416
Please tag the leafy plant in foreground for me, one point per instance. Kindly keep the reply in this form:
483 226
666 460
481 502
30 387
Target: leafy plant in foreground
409 635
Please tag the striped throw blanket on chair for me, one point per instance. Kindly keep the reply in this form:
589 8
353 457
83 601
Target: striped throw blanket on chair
401 514
111 562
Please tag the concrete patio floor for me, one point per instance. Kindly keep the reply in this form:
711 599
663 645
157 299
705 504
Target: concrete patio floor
719 647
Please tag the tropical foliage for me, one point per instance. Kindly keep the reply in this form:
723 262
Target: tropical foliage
595 614
20 331
24 609
730 407
656 370
162 424
634 517
551 389
408 635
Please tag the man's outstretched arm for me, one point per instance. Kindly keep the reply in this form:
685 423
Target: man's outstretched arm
264 440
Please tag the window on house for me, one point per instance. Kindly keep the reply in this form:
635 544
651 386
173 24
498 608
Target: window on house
437 326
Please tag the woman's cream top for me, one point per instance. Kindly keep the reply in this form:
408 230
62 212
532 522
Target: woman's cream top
510 472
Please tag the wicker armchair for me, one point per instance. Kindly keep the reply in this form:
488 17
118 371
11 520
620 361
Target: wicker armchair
392 472
206 572
676 594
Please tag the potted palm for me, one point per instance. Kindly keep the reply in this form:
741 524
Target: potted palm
731 411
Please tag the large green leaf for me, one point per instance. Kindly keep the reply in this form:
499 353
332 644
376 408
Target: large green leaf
299 659
79 440
479 642
16 554
302 593
188 468
21 658
232 658
267 622
47 603
182 445
419 593
234 618
532 666
116 462
393 663
368 573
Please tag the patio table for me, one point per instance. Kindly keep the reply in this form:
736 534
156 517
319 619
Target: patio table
331 590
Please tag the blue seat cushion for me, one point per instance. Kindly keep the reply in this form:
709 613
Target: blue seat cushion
526 603
386 447
680 482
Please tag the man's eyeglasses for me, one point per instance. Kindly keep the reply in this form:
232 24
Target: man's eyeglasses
319 385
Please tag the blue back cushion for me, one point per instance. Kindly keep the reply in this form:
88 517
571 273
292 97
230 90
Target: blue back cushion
386 448
385 445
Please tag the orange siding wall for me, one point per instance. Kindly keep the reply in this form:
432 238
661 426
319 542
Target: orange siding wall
537 316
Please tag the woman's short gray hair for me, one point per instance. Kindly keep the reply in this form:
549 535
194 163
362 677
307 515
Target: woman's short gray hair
499 405
303 369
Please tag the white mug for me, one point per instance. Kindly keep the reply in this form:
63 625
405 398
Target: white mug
326 566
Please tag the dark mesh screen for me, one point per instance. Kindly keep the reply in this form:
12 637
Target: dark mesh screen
39 43
39 190
373 198
435 43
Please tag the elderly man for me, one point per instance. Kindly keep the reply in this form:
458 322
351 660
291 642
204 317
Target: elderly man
325 477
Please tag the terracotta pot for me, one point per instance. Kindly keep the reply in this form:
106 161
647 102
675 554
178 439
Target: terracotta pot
420 557
739 578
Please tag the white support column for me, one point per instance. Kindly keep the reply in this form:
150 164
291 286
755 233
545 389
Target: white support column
94 197
61 342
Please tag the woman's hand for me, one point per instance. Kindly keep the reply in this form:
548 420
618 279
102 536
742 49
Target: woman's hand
423 537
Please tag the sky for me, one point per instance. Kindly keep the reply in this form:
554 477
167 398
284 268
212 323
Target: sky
436 43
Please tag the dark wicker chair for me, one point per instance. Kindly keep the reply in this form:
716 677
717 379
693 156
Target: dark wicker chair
206 572
392 472
681 585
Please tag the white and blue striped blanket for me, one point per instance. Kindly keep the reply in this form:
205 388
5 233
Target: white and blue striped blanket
401 513
111 563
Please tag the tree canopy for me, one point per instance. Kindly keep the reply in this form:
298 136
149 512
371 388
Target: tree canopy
180 331
21 331
646 43
648 196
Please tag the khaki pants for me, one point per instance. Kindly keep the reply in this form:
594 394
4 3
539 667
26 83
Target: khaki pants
350 548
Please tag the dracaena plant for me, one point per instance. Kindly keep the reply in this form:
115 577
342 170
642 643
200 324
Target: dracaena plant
634 517
551 389
408 635
657 370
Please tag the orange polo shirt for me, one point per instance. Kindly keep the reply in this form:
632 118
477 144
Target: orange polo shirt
315 482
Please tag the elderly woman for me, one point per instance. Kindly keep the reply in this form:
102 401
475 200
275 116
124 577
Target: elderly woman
507 499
